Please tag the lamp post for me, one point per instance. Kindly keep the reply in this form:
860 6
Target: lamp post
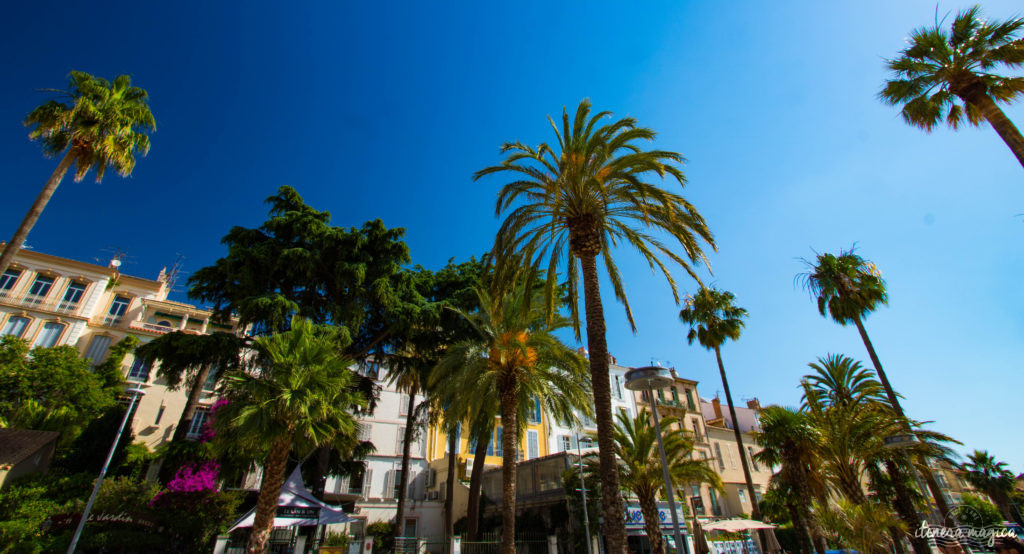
136 394
583 489
650 378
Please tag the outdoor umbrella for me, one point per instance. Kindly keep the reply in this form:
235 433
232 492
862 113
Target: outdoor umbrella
773 543
700 544
297 506
737 525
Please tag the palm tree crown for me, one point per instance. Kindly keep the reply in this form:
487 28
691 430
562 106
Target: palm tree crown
593 193
839 380
104 123
712 317
847 286
950 76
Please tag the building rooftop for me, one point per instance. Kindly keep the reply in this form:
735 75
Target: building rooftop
18 444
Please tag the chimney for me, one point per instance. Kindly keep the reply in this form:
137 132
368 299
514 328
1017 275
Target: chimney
717 405
753 404
673 372
611 359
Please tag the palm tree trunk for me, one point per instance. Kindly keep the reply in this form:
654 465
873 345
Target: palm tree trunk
755 510
509 460
890 394
611 500
403 479
800 526
449 492
270 489
652 523
21 233
189 413
976 95
476 480
904 506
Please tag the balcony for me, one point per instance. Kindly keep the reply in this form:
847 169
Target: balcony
151 327
40 303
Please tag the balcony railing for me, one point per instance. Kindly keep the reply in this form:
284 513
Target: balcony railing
152 327
37 302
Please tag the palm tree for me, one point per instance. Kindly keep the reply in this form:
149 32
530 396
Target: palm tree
949 77
190 359
847 287
640 469
859 526
408 373
520 359
301 397
713 319
991 477
577 203
790 441
95 124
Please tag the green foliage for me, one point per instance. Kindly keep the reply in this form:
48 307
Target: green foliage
712 317
110 371
182 354
847 287
89 450
53 389
861 527
592 192
383 533
983 514
933 76
336 539
192 520
574 499
104 124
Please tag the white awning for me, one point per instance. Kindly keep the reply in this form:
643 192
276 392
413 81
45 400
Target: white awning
297 506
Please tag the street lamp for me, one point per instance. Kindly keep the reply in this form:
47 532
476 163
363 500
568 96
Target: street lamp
650 378
136 394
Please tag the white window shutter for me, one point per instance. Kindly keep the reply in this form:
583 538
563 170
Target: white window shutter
367 481
399 440
389 485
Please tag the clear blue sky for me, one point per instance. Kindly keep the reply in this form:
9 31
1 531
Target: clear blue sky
385 112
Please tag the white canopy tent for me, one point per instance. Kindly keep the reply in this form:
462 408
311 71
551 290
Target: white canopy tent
297 506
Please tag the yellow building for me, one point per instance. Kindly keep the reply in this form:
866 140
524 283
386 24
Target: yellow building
533 444
52 301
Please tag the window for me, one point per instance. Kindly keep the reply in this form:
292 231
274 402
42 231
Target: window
364 432
73 295
198 419
617 391
696 429
534 415
410 528
119 306
396 482
532 445
566 442
588 423
367 481
715 508
403 404
661 395
49 334
586 442
675 396
495 448
41 286
210 384
400 440
15 326
139 371
458 439
743 495
97 349
750 450
643 396
689 400
372 370
8 279
718 454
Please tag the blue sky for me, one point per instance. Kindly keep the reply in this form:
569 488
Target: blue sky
385 111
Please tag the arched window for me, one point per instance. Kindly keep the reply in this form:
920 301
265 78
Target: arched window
15 325
49 334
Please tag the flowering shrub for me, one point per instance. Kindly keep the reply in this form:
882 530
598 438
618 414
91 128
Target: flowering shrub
206 433
195 477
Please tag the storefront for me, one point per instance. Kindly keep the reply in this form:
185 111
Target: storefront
637 534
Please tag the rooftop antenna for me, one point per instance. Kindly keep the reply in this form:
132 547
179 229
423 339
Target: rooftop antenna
175 272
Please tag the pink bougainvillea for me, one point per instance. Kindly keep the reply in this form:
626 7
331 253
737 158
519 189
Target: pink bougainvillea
195 477
206 433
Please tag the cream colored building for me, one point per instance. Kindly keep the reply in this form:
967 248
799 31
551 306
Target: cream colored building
52 301
726 454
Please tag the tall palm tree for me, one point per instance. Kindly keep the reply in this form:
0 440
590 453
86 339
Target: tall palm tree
520 359
95 124
713 319
860 527
301 397
640 469
949 76
991 477
578 201
790 441
408 373
848 288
